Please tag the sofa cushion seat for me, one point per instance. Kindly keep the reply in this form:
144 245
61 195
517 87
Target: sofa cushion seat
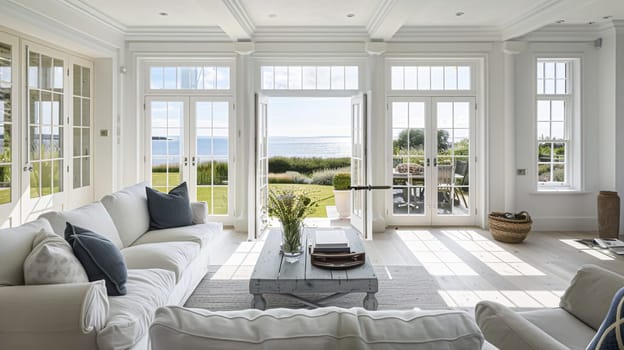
130 315
323 328
562 326
200 234
172 256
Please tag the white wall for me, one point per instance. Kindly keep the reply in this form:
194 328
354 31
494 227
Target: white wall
557 210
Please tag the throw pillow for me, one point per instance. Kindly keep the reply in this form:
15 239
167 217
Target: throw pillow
100 258
610 335
52 261
171 209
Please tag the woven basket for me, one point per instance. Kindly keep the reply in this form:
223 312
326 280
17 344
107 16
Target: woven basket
509 230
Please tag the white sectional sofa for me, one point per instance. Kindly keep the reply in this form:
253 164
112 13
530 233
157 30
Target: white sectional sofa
164 267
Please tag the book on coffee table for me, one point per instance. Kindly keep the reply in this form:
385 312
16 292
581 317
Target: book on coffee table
331 241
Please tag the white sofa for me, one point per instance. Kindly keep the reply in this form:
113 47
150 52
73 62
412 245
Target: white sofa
572 325
322 328
164 267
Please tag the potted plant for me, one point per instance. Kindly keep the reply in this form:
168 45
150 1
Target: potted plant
342 194
291 207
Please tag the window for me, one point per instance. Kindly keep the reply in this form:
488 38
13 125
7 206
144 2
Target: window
45 123
310 77
82 126
6 122
555 101
430 78
189 78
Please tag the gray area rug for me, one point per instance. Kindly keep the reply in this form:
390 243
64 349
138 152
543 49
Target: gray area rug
400 287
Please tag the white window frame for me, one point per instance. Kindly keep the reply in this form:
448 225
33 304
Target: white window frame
572 124
147 90
474 76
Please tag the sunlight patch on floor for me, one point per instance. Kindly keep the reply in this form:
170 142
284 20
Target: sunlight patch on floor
434 256
509 298
241 263
587 250
491 254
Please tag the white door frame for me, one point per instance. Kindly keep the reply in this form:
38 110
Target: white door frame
10 212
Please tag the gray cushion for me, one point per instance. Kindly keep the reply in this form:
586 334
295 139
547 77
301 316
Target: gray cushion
590 293
52 261
171 209
93 217
322 328
100 258
128 208
15 245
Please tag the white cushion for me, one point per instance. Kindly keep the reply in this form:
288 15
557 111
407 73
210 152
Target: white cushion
200 234
128 208
52 261
562 326
172 256
595 284
130 315
322 328
15 245
93 217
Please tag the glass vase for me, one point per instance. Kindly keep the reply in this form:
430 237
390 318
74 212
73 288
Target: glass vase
292 245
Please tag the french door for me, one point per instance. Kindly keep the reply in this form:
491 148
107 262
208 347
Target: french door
433 161
261 212
188 140
361 195
9 161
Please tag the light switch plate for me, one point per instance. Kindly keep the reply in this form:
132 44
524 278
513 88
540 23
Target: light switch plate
521 172
104 132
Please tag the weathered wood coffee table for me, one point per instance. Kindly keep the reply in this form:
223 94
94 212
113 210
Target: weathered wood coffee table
273 275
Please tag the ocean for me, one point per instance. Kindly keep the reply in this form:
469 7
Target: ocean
305 147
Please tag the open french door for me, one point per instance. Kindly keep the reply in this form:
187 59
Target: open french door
361 194
260 211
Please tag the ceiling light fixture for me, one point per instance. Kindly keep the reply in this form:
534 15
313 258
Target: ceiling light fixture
350 15
163 13
459 13
607 17
560 21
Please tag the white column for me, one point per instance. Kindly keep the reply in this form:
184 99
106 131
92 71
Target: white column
375 84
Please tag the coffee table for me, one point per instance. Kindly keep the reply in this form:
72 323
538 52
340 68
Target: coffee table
273 275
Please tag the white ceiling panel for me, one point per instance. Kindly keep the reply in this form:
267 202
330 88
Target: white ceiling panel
147 12
310 12
477 13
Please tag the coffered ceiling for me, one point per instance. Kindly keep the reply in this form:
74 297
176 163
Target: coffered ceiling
377 19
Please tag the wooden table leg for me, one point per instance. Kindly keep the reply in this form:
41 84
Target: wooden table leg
258 302
370 302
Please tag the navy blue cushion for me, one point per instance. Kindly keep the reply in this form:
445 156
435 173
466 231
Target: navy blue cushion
606 338
100 258
171 209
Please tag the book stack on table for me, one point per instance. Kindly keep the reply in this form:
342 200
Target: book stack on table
330 241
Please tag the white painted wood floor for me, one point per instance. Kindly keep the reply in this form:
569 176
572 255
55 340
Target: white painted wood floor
467 263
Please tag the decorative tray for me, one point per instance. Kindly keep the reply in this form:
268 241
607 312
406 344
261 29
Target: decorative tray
337 261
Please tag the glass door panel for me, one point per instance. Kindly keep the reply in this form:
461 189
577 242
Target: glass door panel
452 157
9 183
409 142
211 155
166 117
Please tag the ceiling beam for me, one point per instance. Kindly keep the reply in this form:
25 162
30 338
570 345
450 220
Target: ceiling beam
235 22
548 12
389 17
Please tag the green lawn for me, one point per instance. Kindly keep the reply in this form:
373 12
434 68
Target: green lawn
221 195
316 192
5 195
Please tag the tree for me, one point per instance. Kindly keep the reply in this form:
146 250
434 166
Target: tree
417 140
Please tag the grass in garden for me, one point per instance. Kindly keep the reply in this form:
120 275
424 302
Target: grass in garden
220 193
315 192
5 195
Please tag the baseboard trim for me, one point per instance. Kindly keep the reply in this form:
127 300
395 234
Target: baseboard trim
563 223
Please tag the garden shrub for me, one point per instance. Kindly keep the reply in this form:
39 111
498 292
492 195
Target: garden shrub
342 181
326 176
306 165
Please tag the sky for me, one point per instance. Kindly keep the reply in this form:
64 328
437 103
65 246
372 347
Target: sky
309 116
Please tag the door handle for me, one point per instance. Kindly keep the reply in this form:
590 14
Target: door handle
435 161
428 161
28 168
369 187
185 161
193 161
